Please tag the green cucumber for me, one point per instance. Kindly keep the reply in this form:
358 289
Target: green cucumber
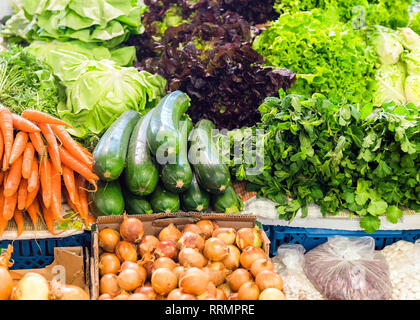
164 201
111 151
195 198
165 123
227 202
211 173
135 204
189 123
141 174
177 177
108 199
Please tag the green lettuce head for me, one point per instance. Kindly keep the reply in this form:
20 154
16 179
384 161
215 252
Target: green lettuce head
412 89
409 38
389 84
412 61
387 44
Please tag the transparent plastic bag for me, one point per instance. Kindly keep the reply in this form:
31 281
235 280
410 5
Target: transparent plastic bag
289 264
349 269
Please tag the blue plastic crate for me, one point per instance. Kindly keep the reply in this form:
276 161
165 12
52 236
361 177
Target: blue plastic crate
312 237
39 253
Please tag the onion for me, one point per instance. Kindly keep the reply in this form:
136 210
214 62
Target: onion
260 265
248 291
170 233
149 266
179 271
148 291
148 245
207 227
220 294
6 284
138 296
131 229
206 296
126 251
250 254
193 228
105 296
189 257
135 266
109 284
130 279
227 235
70 292
246 237
217 272
272 294
178 294
269 279
164 281
108 239
191 240
215 249
32 286
121 297
164 262
233 296
232 260
167 248
195 281
237 278
109 264
225 288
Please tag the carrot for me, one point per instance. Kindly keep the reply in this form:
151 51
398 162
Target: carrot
90 220
19 146
69 182
45 177
14 176
20 223
56 195
30 198
84 208
33 181
3 221
9 206
6 126
72 146
74 164
1 145
28 159
22 194
33 211
49 220
22 124
71 204
1 177
41 117
38 143
51 145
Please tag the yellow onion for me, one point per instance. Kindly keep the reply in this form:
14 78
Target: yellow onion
109 264
131 229
148 291
69 292
215 249
164 262
32 286
148 245
138 296
217 272
109 285
130 279
126 251
193 228
191 240
251 254
248 291
207 227
164 281
227 235
260 265
272 294
189 257
167 248
269 279
170 233
178 294
195 281
237 278
108 239
231 261
246 237
225 288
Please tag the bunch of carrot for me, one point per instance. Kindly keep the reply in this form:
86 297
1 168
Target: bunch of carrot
39 162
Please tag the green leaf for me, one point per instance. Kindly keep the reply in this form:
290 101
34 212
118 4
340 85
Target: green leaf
377 207
370 223
366 110
393 214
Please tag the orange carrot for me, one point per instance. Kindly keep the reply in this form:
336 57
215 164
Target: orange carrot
38 144
3 225
9 206
33 211
72 146
51 145
84 208
41 117
33 180
90 220
20 223
71 204
22 194
1 145
30 198
56 195
14 176
49 221
28 159
22 124
74 164
1 177
6 126
45 177
69 182
19 146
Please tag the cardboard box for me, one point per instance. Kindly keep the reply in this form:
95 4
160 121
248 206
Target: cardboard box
152 225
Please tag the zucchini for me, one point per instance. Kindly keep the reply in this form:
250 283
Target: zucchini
177 177
164 124
227 202
195 198
164 201
111 151
211 173
141 174
108 199
189 123
135 204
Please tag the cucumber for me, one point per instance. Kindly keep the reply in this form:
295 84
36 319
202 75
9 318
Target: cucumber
195 198
227 202
141 174
211 173
164 124
164 201
177 177
111 151
108 199
136 205
189 123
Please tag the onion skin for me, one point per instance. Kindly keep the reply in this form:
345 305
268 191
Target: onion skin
272 294
246 237
148 245
191 240
215 249
207 227
138 296
237 278
32 286
164 262
227 235
195 281
233 296
189 257
260 265
220 294
6 284
108 239
217 272
178 294
231 262
170 233
250 254
179 271
126 251
149 267
121 297
193 228
71 292
105 296
148 291
164 287
109 284
137 267
131 229
269 279
249 291
167 248
130 279
225 288
109 264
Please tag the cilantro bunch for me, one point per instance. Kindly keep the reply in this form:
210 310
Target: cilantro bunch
341 157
